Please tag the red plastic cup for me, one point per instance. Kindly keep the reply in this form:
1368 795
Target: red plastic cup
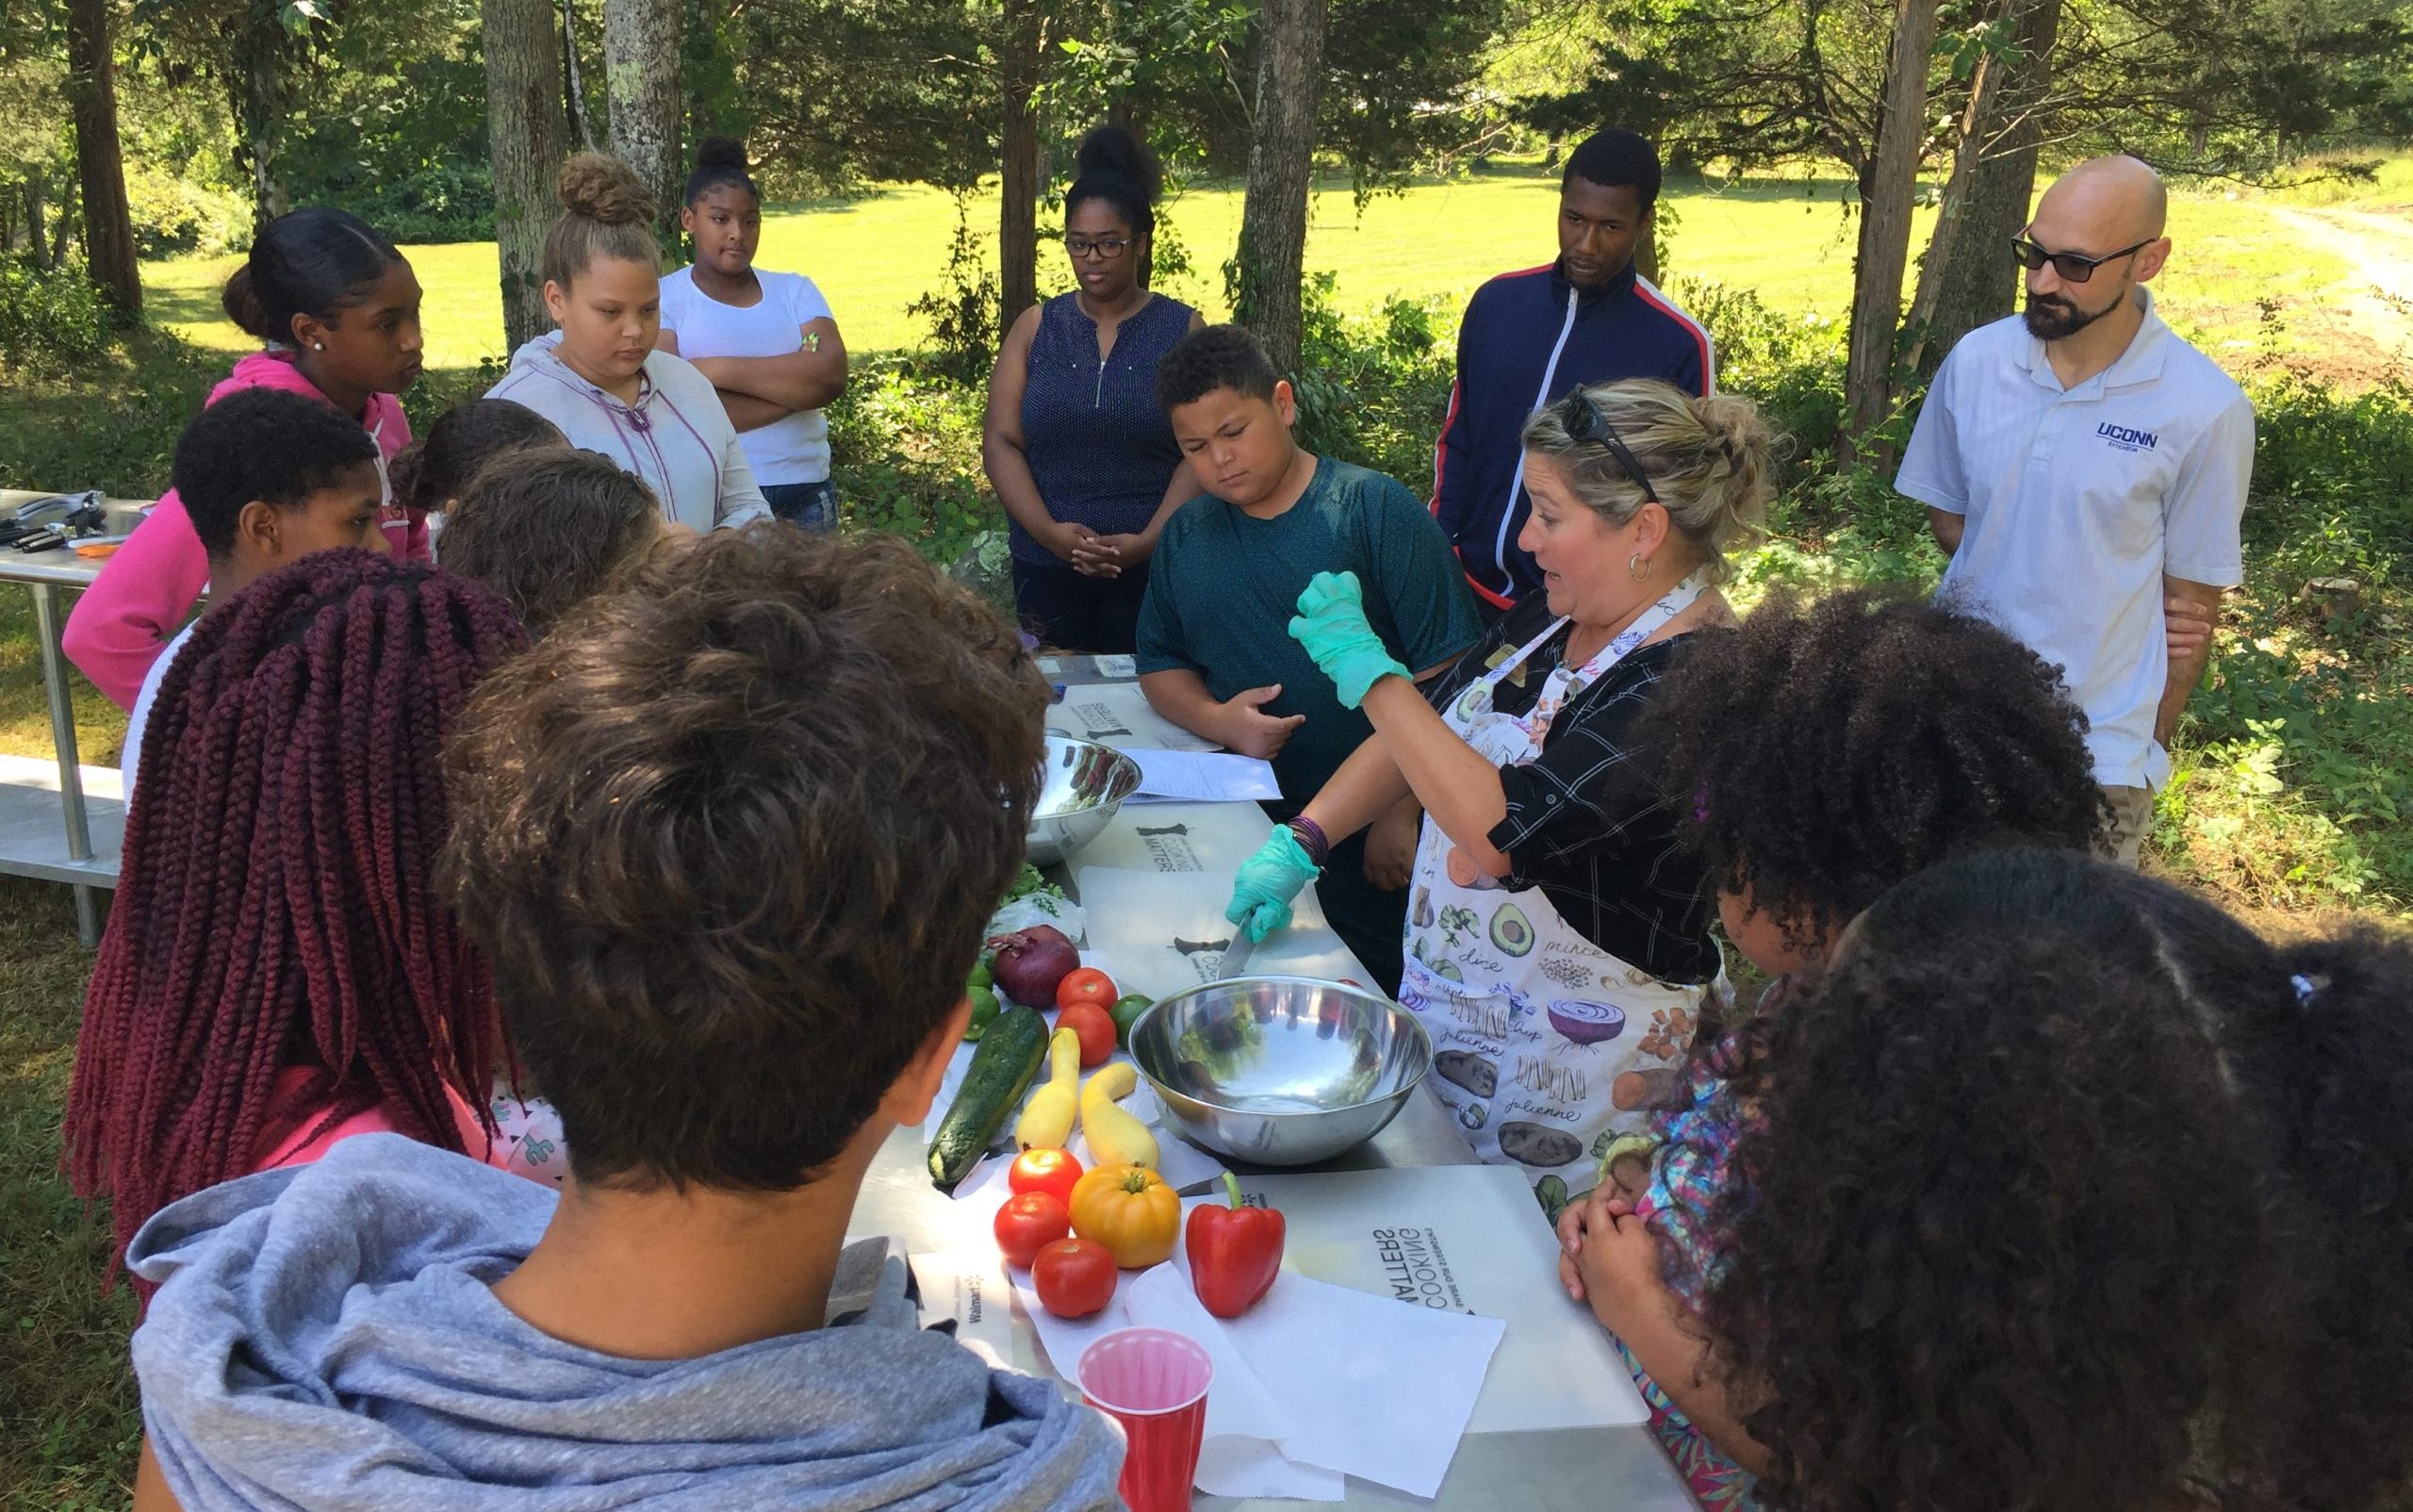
1154 1382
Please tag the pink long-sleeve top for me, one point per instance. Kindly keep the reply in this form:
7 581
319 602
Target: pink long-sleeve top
134 607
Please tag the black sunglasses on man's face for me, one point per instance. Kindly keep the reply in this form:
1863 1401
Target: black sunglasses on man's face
2073 267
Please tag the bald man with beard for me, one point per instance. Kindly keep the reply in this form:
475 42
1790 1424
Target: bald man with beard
2086 472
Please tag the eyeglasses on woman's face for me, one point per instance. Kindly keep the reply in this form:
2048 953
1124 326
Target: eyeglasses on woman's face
1106 248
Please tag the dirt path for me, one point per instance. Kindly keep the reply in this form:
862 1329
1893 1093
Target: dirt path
2372 306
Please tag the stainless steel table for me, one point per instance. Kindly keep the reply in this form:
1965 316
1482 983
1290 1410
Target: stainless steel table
1601 1469
92 826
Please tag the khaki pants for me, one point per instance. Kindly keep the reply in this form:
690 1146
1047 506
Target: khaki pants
2131 816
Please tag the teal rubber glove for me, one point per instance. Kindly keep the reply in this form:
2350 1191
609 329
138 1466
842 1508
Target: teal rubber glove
1331 626
1268 881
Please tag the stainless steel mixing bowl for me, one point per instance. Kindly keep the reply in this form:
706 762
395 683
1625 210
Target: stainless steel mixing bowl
1280 1070
1082 784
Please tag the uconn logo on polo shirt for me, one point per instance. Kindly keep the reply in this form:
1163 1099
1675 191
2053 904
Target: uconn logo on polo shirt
2125 438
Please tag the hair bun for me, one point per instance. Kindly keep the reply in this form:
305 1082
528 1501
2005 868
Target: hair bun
240 300
1112 149
601 188
721 152
1737 428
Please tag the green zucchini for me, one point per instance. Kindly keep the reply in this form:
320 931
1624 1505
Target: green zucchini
1009 1056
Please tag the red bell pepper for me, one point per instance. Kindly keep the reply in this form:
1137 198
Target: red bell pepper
1234 1253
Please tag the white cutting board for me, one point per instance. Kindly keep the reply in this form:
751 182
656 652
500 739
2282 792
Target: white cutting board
1119 715
1162 931
1471 1239
1180 837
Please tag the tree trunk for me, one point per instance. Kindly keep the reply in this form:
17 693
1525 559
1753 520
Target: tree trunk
1021 62
1646 251
641 88
261 93
1979 284
100 164
36 223
525 137
1888 187
581 129
1270 268
1985 84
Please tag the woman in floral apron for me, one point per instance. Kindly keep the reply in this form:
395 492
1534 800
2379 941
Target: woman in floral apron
1558 945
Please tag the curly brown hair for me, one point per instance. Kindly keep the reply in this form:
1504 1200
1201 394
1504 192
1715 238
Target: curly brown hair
2061 1189
547 528
1838 746
731 836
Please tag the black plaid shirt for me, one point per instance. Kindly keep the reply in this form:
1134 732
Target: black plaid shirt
1588 822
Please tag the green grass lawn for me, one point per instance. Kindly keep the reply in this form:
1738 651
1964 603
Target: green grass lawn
68 1427
1791 241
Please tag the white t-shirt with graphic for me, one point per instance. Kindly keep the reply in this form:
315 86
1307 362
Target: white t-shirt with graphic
795 448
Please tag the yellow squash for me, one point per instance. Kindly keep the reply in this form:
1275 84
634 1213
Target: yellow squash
1047 1122
1116 1137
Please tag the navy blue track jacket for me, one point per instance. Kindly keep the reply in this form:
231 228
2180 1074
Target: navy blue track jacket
1527 338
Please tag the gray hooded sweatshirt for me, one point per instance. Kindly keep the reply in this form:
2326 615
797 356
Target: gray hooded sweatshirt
675 437
326 1338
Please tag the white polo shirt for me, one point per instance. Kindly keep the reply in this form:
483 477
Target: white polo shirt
2078 502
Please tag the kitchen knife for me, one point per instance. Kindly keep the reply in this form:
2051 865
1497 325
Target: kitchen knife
1236 954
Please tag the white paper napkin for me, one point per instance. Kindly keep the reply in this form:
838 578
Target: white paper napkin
1312 1371
1240 1453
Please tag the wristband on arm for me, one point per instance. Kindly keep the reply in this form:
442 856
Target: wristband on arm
1312 840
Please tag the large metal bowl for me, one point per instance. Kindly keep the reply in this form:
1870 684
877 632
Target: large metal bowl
1280 1070
1082 784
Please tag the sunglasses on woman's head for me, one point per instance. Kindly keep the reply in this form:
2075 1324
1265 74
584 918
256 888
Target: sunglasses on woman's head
2073 267
1585 422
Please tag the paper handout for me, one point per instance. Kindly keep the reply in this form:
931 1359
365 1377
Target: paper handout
1201 777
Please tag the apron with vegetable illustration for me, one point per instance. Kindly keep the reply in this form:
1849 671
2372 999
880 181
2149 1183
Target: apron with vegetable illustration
1546 1047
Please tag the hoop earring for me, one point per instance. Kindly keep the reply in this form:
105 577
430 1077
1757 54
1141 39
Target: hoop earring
1636 568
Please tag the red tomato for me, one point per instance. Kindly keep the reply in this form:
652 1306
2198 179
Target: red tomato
1095 1026
1028 1223
1052 1172
1075 1277
1087 985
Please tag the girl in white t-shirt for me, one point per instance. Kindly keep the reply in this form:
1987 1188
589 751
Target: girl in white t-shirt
766 340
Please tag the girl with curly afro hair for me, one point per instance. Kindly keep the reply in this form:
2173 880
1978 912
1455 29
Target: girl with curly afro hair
2061 1189
1833 749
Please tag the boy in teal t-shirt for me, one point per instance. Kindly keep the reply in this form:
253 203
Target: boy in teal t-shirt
1215 654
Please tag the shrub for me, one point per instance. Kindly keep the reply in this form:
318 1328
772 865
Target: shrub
1373 389
173 215
441 200
1791 364
905 451
2293 775
961 308
50 319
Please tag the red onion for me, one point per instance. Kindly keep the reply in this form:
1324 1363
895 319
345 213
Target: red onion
1031 962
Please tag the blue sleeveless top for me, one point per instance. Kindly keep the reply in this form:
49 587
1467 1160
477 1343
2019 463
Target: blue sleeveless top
1096 439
